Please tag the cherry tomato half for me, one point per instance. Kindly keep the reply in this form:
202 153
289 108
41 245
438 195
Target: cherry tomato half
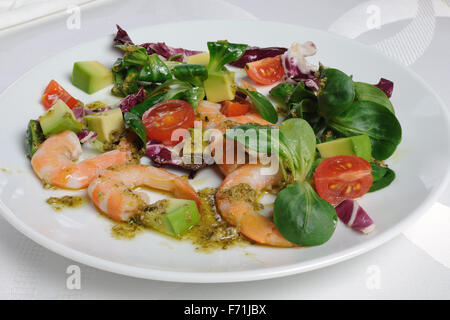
265 71
164 118
343 177
54 92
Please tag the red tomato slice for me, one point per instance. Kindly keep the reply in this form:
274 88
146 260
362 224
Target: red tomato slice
165 117
343 177
234 109
53 92
265 71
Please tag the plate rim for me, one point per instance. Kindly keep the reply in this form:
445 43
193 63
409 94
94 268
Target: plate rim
247 275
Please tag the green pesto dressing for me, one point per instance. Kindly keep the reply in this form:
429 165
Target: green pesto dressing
65 202
125 230
212 233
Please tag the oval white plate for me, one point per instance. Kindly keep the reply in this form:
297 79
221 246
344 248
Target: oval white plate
421 163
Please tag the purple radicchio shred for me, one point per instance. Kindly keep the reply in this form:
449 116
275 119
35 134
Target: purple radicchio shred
104 109
122 37
131 100
125 104
161 155
354 216
256 53
86 136
387 86
81 112
160 48
310 81
240 94
296 66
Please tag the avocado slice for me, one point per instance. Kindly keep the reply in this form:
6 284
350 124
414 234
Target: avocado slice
220 86
107 124
170 216
91 76
59 118
201 58
357 146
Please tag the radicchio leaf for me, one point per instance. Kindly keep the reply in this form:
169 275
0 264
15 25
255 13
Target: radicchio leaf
354 216
256 53
131 100
387 86
104 109
296 66
162 155
122 37
160 48
86 136
80 112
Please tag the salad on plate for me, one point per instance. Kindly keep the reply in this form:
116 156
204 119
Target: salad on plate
270 121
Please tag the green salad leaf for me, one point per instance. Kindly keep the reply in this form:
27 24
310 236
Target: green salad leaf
300 93
195 74
282 91
34 137
302 217
374 120
222 53
135 124
134 55
294 141
194 96
154 70
261 139
149 102
299 138
382 177
262 104
336 92
368 92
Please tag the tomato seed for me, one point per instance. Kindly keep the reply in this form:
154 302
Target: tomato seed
349 189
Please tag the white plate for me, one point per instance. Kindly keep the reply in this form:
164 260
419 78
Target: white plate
421 163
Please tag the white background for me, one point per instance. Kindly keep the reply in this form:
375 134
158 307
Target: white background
415 265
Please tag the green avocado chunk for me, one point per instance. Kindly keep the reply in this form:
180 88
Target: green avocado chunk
170 216
201 58
91 76
107 124
220 86
59 118
357 146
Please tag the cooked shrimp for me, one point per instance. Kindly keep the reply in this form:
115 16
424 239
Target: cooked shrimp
212 118
209 113
112 191
53 162
236 200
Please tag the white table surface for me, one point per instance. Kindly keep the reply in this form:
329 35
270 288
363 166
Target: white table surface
414 265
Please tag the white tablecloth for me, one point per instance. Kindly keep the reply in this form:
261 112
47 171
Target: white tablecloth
416 264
